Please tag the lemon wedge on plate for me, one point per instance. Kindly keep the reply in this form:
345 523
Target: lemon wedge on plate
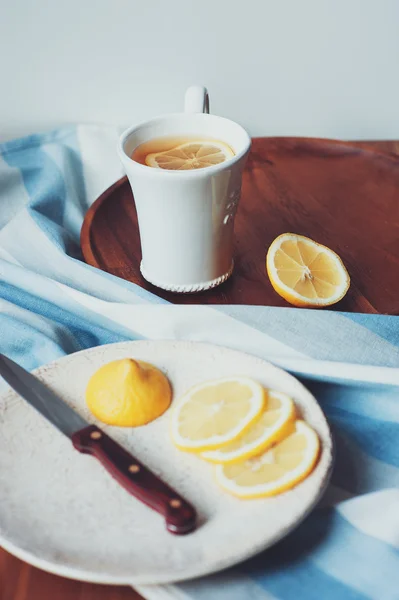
191 155
278 469
273 425
128 393
306 273
214 413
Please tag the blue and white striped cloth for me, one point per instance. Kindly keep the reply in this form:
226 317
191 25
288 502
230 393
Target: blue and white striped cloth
51 304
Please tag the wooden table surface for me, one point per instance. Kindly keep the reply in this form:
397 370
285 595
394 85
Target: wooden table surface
20 581
343 195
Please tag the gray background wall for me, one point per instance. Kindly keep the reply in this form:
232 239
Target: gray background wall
280 67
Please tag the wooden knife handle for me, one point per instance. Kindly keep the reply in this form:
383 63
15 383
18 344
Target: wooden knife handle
139 481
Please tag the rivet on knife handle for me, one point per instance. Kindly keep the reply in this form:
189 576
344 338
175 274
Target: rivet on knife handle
139 481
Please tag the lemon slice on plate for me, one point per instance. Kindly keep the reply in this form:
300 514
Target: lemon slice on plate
306 273
216 412
278 469
191 155
274 424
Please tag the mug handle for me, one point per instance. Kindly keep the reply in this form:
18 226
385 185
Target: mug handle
196 99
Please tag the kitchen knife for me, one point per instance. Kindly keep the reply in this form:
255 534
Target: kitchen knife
139 481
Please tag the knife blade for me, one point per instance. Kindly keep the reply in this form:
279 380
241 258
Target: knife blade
136 478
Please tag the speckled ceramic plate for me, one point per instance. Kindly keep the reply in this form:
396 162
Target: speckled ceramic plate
62 512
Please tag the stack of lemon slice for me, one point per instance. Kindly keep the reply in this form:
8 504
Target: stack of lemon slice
251 434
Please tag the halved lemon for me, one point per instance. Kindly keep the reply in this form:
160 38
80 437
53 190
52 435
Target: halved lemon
278 469
306 273
274 424
128 393
191 155
215 413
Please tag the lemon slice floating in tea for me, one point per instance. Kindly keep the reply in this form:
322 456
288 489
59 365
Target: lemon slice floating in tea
273 424
278 469
216 412
191 155
306 273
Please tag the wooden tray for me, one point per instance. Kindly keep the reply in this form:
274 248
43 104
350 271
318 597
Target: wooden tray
344 195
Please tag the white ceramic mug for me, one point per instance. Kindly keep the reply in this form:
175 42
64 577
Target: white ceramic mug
186 218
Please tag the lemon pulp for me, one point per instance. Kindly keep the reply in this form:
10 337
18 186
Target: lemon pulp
278 469
306 273
216 412
191 155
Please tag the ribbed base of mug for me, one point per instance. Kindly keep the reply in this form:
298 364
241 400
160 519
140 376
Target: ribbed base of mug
189 288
